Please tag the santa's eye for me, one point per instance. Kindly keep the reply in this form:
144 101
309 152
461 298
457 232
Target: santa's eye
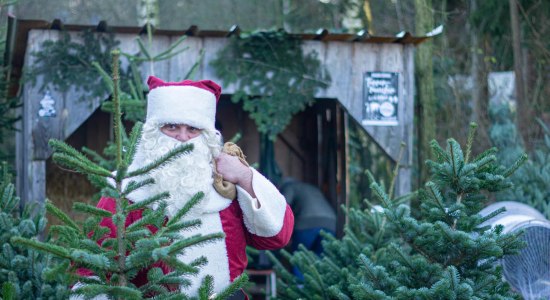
192 129
170 127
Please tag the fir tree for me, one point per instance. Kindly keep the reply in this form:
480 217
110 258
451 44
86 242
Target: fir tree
442 253
116 261
531 185
8 104
23 272
531 182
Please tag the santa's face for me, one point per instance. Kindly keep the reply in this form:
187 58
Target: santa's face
183 177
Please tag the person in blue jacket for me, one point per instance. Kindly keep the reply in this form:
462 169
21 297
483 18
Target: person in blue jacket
312 213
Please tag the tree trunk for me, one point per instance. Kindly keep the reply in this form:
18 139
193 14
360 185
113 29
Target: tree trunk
425 98
523 107
479 84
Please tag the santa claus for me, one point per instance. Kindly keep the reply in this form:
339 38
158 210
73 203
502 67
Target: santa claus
184 112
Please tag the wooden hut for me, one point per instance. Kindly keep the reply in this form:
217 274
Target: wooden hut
313 148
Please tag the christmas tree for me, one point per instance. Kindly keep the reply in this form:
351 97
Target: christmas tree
114 262
531 182
23 272
439 252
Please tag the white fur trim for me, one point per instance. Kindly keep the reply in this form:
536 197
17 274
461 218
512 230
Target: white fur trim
263 215
215 252
182 105
216 202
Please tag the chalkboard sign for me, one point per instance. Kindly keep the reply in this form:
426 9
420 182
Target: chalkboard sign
380 98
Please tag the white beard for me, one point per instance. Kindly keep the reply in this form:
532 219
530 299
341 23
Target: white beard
183 177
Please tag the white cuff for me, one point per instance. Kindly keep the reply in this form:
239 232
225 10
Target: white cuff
263 215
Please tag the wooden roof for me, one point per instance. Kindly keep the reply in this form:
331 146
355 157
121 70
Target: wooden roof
18 30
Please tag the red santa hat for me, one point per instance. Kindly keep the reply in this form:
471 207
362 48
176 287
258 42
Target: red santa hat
185 102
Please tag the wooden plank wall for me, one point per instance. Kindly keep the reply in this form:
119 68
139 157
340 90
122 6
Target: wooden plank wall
32 141
346 62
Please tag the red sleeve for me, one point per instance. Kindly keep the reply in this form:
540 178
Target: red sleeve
278 241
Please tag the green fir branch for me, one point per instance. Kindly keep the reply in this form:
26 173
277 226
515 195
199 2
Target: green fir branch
491 215
177 228
50 208
469 143
401 256
51 274
177 246
133 185
146 219
93 154
92 210
9 202
206 288
91 260
518 163
281 270
58 251
105 76
80 166
165 159
183 268
169 55
439 153
455 155
143 50
138 260
195 68
134 92
94 290
186 208
134 139
138 234
117 116
237 284
435 194
148 201
171 48
489 152
62 147
91 246
381 195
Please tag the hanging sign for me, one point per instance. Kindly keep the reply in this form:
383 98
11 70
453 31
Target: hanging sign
380 98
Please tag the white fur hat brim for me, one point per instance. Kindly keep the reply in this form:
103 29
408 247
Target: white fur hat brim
188 105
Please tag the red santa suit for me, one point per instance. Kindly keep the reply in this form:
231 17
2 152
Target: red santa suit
264 221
